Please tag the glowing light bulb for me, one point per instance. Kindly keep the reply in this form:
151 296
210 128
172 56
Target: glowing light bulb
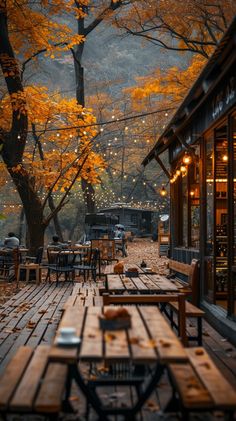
163 191
187 159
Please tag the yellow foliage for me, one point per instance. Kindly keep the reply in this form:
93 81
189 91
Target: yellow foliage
33 29
171 86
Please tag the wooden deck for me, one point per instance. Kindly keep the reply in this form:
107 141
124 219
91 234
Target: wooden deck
31 317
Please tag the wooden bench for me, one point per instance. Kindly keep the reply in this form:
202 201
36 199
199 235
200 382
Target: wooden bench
191 289
31 385
198 385
153 299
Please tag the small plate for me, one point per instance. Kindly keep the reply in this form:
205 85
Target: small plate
71 342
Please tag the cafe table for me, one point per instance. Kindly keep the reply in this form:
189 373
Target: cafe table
149 341
142 283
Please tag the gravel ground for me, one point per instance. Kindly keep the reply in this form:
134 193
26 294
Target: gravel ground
145 249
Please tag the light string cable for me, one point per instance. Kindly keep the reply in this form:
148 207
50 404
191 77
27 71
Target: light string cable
104 123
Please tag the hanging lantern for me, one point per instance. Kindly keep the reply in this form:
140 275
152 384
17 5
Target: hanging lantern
163 191
187 159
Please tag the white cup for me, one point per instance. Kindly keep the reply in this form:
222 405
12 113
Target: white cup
67 333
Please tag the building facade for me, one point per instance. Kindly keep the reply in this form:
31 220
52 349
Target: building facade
201 142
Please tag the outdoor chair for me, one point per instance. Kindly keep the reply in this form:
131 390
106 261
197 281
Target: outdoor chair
107 249
9 261
91 266
60 263
30 269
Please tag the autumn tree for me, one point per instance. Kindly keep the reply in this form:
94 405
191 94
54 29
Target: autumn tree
187 26
94 13
27 31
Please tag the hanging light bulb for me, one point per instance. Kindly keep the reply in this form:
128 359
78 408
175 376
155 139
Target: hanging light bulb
163 191
191 193
183 169
187 159
225 158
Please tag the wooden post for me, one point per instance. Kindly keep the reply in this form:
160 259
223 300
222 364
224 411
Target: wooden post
182 319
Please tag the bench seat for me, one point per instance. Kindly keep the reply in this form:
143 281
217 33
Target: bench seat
191 290
30 384
190 311
198 385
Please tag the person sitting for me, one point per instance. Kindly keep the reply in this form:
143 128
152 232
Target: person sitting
11 241
56 243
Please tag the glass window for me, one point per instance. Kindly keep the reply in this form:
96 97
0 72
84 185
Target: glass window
209 195
194 200
233 286
184 210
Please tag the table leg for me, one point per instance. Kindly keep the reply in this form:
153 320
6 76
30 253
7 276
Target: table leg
92 397
95 402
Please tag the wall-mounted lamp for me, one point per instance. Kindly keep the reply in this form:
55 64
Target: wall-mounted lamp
187 159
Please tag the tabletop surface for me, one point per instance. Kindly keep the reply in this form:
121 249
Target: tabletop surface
150 338
143 283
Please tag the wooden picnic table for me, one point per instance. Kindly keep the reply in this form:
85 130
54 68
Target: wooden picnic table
150 340
143 283
109 269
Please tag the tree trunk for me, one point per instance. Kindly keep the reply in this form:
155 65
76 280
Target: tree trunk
32 207
87 188
88 192
55 219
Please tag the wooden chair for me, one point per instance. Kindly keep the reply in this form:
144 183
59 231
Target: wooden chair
61 264
107 249
30 269
9 262
91 266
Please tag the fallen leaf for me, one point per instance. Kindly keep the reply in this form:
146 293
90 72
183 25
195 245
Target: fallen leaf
109 337
74 398
134 340
30 324
152 406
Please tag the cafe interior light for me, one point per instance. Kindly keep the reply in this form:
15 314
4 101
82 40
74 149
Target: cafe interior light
192 193
163 191
225 158
187 159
